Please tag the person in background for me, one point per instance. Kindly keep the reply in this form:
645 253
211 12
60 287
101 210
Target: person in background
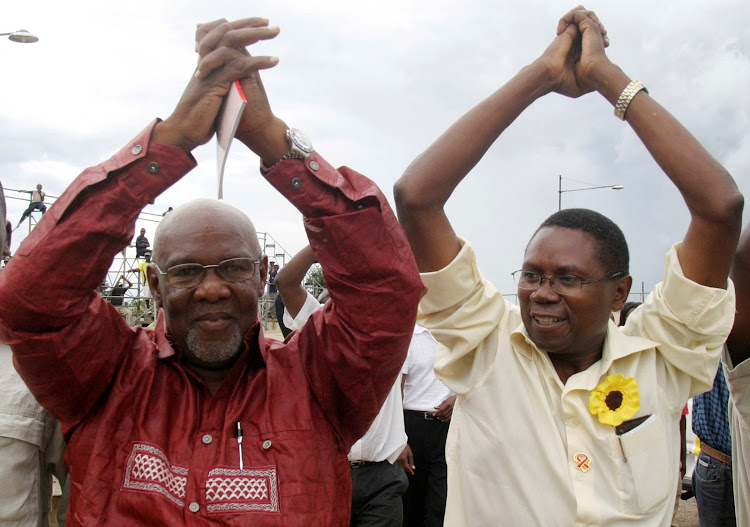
428 406
37 203
141 244
736 365
626 310
31 443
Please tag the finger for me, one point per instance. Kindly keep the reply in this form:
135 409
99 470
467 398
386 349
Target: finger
595 18
237 36
203 29
233 64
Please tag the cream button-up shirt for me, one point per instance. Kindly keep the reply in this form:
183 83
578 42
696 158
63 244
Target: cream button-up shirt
523 448
738 380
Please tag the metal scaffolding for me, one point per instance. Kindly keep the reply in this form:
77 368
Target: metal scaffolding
137 306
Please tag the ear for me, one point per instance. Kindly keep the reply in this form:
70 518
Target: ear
262 274
622 290
154 280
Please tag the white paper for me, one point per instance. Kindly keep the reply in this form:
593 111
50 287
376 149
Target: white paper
231 113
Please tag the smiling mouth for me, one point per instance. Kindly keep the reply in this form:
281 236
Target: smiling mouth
546 321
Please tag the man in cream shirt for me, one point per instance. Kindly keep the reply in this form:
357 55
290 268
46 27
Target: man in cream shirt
737 373
561 417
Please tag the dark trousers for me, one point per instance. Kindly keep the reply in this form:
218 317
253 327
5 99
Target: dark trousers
37 205
712 486
424 501
377 489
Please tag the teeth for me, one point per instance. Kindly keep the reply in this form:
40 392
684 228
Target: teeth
546 321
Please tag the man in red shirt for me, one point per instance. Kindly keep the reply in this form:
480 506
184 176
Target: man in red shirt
203 421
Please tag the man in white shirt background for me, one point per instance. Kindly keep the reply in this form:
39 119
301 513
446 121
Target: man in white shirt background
428 406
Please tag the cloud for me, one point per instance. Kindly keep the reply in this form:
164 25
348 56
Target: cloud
373 85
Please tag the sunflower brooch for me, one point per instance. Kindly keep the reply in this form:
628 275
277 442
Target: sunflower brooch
615 400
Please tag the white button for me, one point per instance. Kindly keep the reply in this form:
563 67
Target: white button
575 421
207 439
194 507
314 165
136 150
266 444
579 477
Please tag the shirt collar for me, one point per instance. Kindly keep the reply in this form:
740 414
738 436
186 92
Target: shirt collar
616 346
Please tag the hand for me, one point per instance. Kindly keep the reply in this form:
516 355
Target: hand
444 411
259 129
587 57
406 460
570 56
221 62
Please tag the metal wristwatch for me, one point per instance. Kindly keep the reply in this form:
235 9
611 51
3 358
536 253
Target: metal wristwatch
300 144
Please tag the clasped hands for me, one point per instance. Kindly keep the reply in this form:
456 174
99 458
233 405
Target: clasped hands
575 62
222 59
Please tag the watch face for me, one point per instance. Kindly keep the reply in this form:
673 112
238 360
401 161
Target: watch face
300 140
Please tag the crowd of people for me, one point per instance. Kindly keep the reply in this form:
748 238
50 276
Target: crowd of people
416 394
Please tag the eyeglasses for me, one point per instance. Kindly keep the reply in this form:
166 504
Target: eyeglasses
564 284
187 275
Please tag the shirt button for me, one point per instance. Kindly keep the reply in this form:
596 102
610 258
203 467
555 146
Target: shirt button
207 439
194 507
152 168
136 150
575 421
314 165
296 183
266 444
579 477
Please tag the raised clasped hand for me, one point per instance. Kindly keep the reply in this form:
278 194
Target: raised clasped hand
574 57
223 58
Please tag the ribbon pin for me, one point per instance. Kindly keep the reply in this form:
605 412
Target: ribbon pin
583 463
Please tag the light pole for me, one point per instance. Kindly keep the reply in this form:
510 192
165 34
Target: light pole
560 190
22 36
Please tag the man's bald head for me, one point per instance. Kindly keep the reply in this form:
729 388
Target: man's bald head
197 216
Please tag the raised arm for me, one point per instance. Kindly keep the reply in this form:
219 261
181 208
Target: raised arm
429 181
738 342
289 280
710 193
56 327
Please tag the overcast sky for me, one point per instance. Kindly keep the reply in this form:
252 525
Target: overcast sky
373 84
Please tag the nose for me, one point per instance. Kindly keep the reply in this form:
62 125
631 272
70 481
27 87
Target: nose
544 293
212 288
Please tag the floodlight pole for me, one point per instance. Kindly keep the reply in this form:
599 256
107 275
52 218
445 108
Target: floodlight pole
560 190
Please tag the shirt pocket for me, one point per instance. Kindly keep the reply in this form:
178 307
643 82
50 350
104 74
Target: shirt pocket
647 468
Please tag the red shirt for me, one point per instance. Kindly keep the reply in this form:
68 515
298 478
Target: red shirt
147 443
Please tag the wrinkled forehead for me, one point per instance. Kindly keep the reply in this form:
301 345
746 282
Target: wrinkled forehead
206 234
563 248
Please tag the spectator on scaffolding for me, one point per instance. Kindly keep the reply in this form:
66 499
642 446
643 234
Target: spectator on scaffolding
142 270
37 203
141 244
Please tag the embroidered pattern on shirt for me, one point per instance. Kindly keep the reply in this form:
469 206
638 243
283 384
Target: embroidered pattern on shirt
235 490
148 470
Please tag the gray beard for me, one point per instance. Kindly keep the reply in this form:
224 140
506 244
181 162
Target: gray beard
214 351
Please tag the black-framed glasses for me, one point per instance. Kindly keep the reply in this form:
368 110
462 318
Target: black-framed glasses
562 284
183 276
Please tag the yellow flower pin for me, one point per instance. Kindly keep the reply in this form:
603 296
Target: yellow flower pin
615 400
